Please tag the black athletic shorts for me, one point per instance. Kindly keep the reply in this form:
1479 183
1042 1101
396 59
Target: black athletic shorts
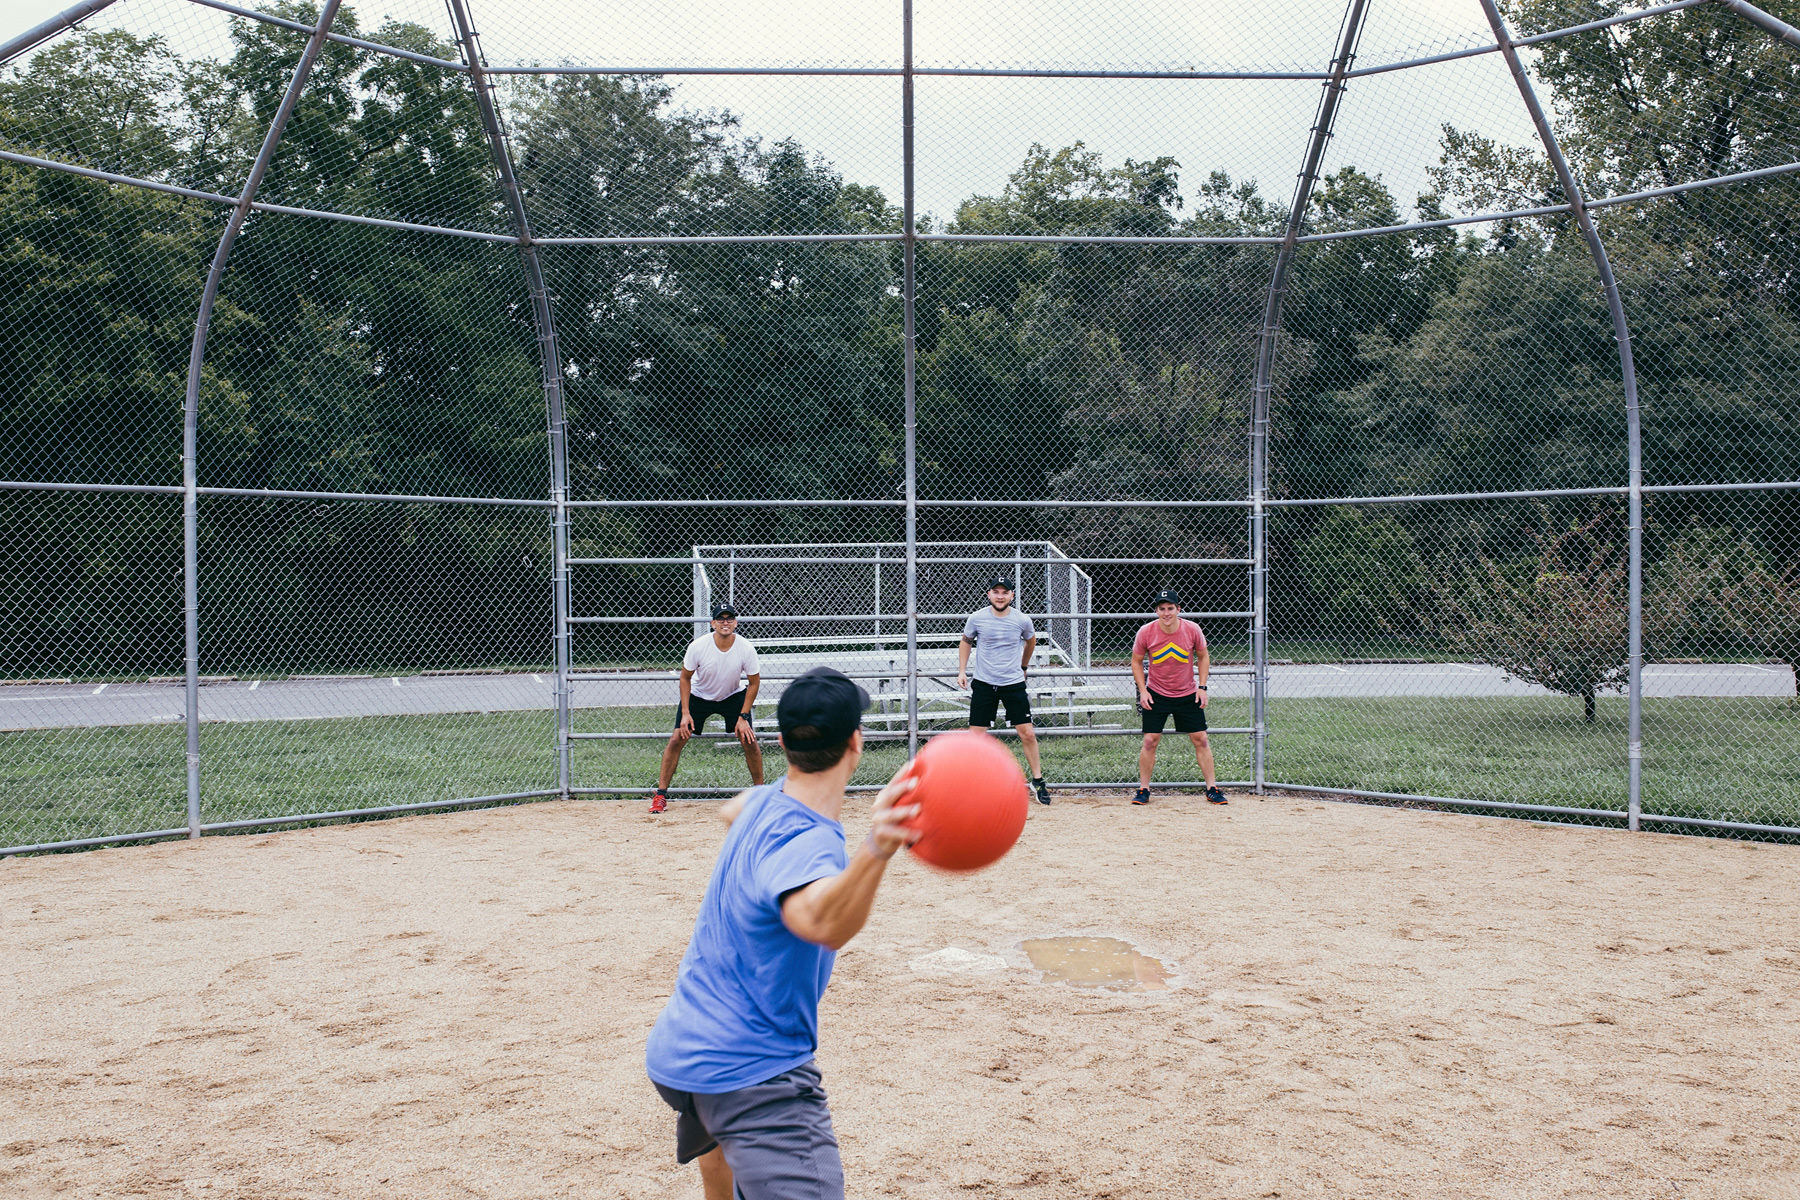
1189 716
985 700
729 708
776 1135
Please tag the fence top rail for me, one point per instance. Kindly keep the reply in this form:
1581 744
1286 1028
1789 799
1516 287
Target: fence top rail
715 239
33 485
897 70
691 619
1535 494
1538 494
712 547
875 560
1772 485
715 503
341 38
50 164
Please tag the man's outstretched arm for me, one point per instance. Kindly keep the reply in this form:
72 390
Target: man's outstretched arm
831 911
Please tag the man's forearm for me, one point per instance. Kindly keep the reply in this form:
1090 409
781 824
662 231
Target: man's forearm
1137 673
1202 668
750 693
962 656
687 690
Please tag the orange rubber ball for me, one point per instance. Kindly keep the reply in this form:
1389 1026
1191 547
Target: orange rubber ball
972 800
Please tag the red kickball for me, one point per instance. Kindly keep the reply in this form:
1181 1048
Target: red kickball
972 801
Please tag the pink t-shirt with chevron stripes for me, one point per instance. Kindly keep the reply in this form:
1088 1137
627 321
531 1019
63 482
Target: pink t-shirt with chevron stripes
1169 657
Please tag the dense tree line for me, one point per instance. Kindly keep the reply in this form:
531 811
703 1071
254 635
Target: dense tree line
348 357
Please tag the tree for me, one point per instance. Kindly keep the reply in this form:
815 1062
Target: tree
1712 588
1764 610
1558 619
1364 575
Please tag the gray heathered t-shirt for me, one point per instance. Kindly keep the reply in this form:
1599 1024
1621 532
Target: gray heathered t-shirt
999 644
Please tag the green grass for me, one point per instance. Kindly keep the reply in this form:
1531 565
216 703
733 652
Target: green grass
1732 759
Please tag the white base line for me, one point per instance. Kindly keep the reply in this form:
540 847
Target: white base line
535 679
98 690
396 680
255 683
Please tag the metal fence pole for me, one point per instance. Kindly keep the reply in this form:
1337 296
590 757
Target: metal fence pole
37 35
551 364
1634 751
1750 12
908 300
190 415
1265 372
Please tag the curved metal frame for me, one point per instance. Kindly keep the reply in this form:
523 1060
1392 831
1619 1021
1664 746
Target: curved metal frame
190 415
1348 36
551 363
1757 16
38 34
1628 377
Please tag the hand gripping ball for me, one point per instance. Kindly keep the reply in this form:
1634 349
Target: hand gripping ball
972 800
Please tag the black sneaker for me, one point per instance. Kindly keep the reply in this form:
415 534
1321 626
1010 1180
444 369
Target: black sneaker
1042 790
1142 796
1215 796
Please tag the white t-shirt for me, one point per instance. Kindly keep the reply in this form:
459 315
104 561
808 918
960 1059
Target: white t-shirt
716 671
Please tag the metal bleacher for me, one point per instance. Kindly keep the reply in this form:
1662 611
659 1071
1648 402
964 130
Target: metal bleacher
823 604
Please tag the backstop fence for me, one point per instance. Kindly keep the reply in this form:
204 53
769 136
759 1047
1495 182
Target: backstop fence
384 396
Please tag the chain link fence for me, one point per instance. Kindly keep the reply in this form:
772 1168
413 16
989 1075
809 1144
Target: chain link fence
388 393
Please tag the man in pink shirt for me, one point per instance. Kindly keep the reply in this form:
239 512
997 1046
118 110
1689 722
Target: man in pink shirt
1170 664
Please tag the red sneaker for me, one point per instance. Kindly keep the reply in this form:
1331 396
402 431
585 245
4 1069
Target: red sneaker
658 801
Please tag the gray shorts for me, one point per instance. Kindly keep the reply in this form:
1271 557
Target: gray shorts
776 1135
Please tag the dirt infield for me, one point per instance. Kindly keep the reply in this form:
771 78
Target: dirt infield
1367 1002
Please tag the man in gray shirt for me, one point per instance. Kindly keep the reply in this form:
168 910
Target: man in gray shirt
1002 638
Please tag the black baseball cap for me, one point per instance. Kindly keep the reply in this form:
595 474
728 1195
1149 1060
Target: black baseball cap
1166 596
1000 581
724 610
825 699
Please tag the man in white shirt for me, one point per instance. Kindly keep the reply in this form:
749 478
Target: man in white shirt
710 673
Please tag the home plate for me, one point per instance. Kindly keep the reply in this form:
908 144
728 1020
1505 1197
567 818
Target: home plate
952 961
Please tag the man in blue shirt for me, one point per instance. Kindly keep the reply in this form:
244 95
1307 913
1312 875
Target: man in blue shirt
732 1052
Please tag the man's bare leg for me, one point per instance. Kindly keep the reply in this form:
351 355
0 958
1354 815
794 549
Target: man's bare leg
753 760
671 756
715 1176
1028 740
1147 758
1203 756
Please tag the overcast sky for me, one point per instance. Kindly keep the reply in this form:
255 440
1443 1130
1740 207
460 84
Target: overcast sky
971 133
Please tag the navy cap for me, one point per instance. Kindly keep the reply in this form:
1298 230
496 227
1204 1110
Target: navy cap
724 610
1000 581
1166 596
825 699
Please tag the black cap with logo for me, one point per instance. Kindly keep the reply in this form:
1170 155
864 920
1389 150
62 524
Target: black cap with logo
724 610
999 581
1166 596
825 699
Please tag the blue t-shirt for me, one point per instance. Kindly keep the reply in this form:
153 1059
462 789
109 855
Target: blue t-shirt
746 1000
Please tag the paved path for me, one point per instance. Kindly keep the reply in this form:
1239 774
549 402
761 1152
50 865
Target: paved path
49 706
